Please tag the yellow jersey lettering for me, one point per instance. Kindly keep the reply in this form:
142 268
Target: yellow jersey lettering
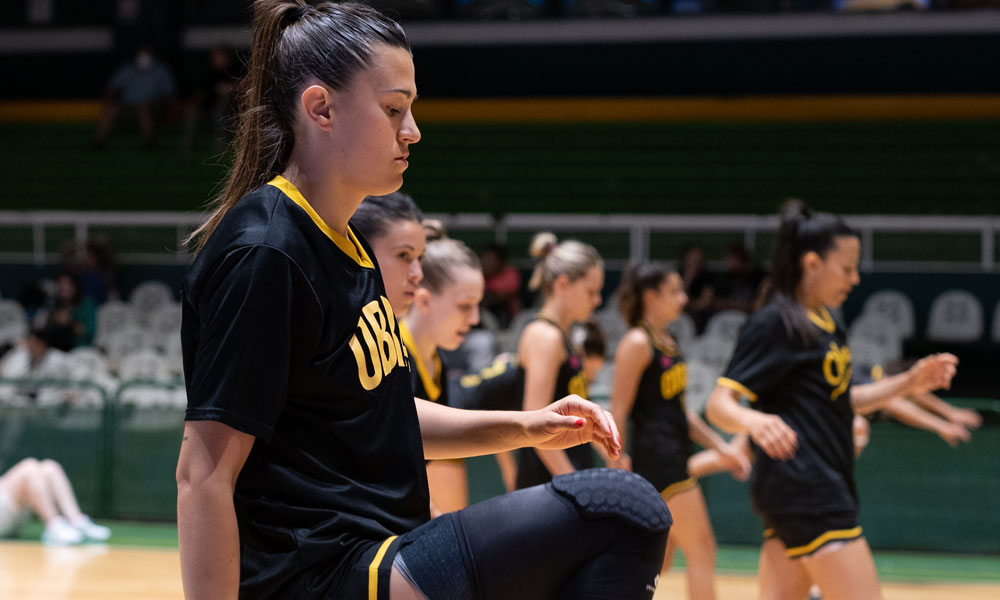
673 381
837 369
381 347
369 381
391 318
499 367
578 385
384 339
470 381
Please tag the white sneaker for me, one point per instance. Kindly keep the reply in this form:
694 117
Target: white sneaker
92 531
58 532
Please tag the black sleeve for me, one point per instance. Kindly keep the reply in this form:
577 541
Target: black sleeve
762 356
258 319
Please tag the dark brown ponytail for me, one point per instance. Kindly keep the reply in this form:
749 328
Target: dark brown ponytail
637 279
292 42
801 231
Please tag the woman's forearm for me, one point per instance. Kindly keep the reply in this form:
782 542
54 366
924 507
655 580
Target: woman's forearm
209 541
455 433
701 433
869 397
724 411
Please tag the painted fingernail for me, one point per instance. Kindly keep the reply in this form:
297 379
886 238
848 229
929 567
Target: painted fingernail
580 422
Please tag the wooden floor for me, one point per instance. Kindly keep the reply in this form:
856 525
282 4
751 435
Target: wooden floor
30 571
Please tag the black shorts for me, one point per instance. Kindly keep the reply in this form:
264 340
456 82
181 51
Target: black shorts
369 575
804 534
669 477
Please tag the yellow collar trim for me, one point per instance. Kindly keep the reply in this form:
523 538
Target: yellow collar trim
432 387
349 245
823 320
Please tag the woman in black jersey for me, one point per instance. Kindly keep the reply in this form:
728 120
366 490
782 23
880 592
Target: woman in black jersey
793 363
649 392
392 224
570 276
301 471
445 308
399 234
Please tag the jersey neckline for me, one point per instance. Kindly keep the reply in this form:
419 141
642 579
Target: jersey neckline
349 245
823 319
432 387
648 330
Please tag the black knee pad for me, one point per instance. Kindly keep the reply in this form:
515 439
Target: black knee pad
615 493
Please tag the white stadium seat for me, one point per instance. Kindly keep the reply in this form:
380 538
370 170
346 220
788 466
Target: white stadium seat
893 306
877 330
955 316
726 324
13 321
683 330
147 297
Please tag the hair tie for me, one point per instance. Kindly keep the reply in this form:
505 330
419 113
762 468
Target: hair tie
292 15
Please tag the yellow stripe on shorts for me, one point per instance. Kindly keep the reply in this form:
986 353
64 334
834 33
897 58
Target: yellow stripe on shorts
373 569
675 488
829 536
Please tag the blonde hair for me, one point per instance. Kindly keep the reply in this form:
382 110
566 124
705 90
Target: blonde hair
570 258
442 256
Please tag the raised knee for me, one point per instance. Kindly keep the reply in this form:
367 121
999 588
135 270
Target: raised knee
28 465
615 493
48 465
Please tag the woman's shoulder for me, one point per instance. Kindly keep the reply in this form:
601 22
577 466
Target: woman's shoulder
635 345
766 321
544 331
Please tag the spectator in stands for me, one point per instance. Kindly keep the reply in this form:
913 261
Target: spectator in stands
41 487
738 287
698 285
97 270
33 298
212 101
72 320
142 85
503 284
32 358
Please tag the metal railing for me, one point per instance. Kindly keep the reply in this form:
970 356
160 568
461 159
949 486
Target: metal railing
638 228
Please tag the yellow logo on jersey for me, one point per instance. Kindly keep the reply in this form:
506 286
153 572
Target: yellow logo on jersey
381 348
578 385
499 367
837 369
673 381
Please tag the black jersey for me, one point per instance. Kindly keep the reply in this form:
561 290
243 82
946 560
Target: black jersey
422 379
288 336
499 386
808 386
530 469
660 441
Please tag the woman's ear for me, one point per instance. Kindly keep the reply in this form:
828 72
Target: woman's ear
560 283
648 296
810 261
317 105
422 299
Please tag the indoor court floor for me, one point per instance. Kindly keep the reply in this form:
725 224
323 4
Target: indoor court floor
31 571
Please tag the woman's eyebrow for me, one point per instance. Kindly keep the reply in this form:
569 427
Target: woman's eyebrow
403 91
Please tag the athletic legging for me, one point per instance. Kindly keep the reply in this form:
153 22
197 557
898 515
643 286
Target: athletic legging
595 534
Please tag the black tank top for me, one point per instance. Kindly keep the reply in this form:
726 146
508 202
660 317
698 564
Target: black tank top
659 417
530 470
